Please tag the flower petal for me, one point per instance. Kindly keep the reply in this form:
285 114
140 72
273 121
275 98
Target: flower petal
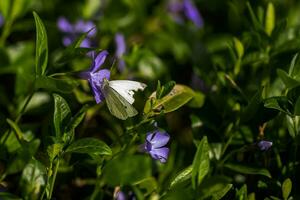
86 43
83 27
160 154
98 61
64 25
120 43
264 145
96 80
158 139
67 40
192 13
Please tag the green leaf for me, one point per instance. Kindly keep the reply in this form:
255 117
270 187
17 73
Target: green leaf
215 187
201 162
89 146
5 8
41 55
280 103
293 65
8 196
242 193
53 150
256 23
148 185
286 188
165 89
62 114
33 179
182 176
74 122
222 192
239 48
270 19
16 128
23 156
55 85
19 8
197 101
252 107
287 80
126 170
247 169
74 50
297 107
177 97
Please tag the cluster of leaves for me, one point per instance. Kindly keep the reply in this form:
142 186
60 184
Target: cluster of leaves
239 81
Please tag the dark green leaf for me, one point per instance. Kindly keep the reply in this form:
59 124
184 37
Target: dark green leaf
9 196
287 80
248 170
253 106
55 85
89 146
62 114
127 169
201 162
41 59
280 103
214 187
23 156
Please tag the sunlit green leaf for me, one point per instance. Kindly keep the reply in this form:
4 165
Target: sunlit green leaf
33 179
201 162
184 175
41 59
62 114
286 188
270 19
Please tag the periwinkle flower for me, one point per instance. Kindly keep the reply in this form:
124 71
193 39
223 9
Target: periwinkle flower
187 8
154 145
120 196
72 31
264 145
1 20
120 50
95 76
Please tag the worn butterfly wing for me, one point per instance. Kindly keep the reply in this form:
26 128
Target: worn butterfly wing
117 104
126 88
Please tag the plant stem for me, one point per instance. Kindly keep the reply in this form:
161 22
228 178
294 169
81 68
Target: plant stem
53 178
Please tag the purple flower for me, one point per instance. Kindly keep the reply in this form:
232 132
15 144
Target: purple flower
154 145
120 50
120 196
72 31
187 8
1 20
264 145
96 76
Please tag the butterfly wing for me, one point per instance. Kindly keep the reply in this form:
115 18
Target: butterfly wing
126 88
117 104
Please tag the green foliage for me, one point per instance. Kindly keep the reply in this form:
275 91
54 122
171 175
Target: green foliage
224 91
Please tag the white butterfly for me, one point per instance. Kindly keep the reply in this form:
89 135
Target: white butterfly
119 97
